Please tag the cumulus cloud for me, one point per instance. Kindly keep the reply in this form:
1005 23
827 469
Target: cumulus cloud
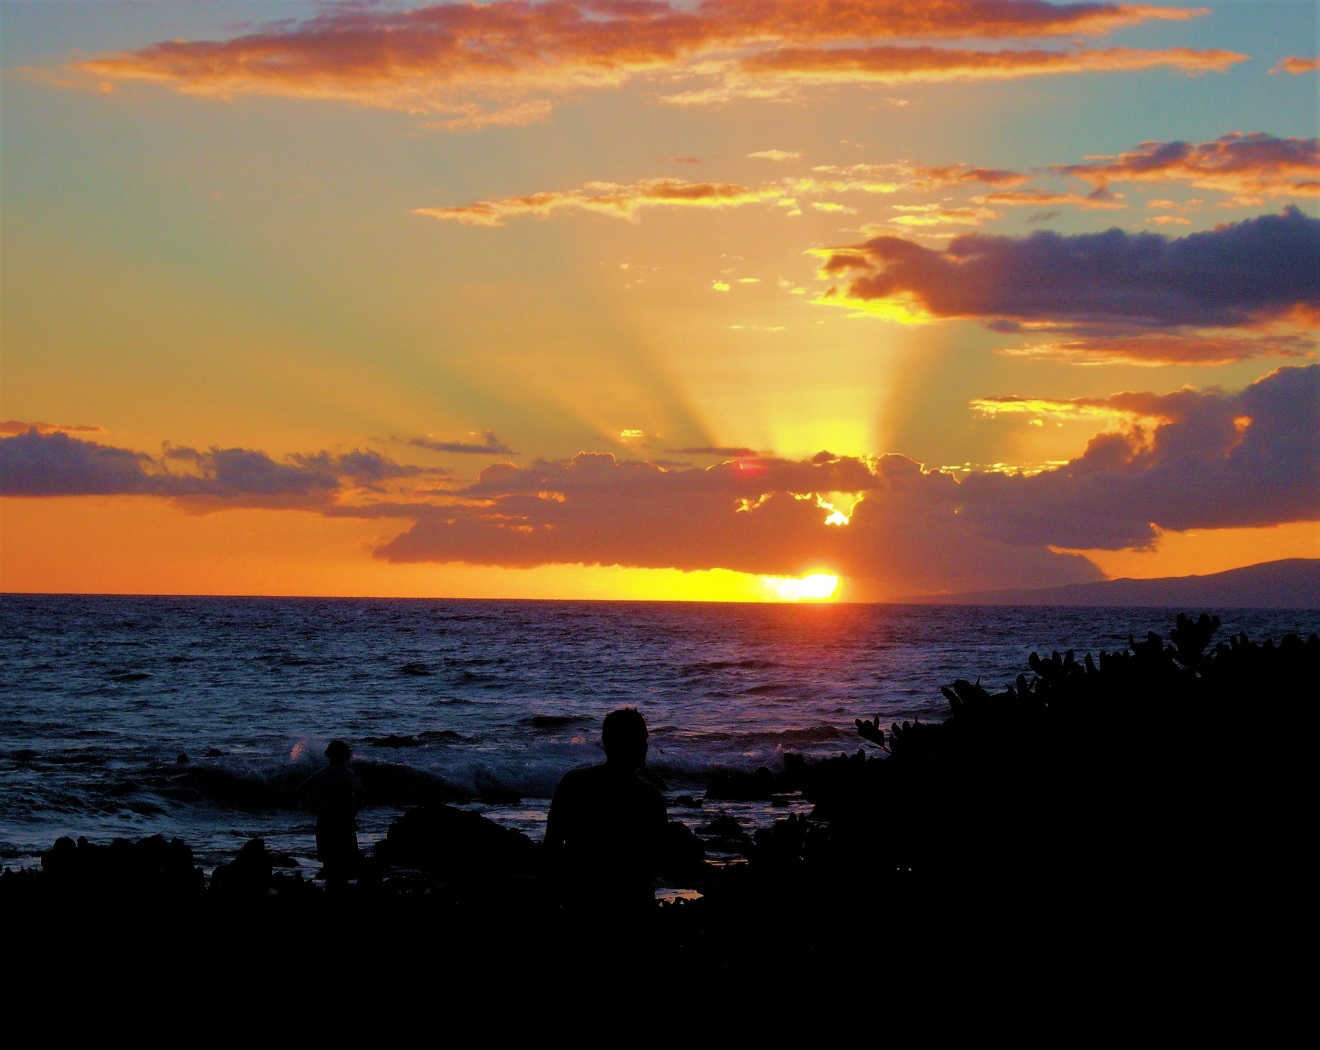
477 64
34 463
1250 167
763 516
490 445
1192 459
607 198
1216 460
1244 273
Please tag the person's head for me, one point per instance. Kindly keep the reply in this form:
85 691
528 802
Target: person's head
338 753
624 737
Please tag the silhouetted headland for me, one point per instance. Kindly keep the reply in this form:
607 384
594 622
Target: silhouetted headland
1291 583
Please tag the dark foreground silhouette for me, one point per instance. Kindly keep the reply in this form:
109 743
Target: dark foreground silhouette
1156 798
605 832
335 795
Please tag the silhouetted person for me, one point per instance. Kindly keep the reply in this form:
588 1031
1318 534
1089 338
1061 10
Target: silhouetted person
606 827
335 794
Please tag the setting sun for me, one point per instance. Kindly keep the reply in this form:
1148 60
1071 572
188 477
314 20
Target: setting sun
816 587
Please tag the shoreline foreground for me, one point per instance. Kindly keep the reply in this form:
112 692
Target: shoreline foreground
1111 797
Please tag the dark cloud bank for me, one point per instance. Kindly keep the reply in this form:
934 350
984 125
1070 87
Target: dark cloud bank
1245 273
33 463
1210 459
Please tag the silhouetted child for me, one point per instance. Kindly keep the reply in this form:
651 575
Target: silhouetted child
335 794
606 829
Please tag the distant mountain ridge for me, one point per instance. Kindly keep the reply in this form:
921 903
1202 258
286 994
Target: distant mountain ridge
1292 583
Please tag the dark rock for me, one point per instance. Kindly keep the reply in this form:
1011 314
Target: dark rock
726 835
687 802
553 721
742 787
725 827
456 844
394 741
783 843
416 739
248 875
182 759
294 886
684 854
149 867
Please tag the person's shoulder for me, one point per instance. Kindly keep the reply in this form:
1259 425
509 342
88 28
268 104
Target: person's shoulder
648 791
583 776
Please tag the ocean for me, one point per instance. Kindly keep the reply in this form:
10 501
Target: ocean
101 697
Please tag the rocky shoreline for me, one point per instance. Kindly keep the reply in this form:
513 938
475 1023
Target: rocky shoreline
1026 815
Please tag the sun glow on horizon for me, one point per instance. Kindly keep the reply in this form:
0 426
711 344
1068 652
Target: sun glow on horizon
814 587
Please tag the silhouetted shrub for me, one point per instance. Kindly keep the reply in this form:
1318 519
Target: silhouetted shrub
1148 771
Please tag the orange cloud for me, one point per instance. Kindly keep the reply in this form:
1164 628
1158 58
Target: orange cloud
1036 198
17 426
939 215
891 65
1248 166
627 201
607 198
441 58
1166 349
1296 65
901 175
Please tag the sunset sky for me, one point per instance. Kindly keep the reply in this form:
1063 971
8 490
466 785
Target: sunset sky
638 299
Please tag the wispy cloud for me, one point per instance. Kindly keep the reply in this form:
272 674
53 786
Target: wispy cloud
606 198
1037 198
502 63
902 65
1167 348
489 445
17 426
